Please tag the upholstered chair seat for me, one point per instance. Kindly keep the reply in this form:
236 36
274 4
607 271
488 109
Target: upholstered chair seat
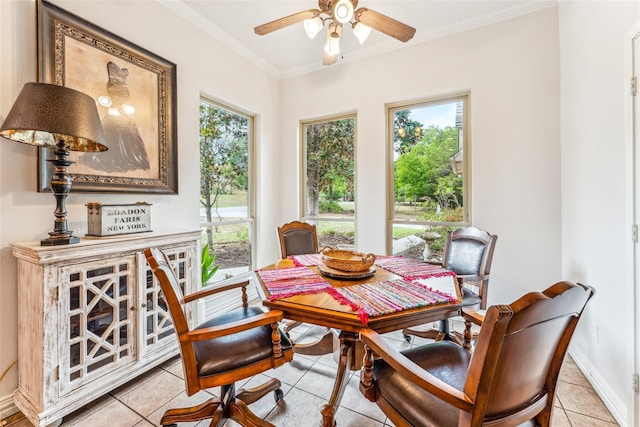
229 352
445 360
470 299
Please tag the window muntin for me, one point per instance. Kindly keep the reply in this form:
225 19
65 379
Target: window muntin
226 214
429 174
328 179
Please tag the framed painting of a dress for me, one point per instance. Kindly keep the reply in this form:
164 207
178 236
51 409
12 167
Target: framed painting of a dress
135 91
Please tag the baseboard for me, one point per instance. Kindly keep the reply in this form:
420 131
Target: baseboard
600 386
7 407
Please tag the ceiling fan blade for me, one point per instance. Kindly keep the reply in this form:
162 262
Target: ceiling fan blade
384 24
286 21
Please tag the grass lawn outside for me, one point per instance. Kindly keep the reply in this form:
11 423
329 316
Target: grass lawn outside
233 233
232 200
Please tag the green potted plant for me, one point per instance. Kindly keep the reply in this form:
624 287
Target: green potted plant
207 264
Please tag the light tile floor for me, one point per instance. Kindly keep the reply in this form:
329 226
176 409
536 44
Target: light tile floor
306 382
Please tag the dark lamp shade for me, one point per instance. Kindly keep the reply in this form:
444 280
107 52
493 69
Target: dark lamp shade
45 114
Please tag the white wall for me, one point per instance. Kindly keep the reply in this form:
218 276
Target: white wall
512 72
595 45
203 65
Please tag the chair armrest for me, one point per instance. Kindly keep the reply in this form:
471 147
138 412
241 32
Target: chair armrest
471 278
415 373
268 318
472 316
212 290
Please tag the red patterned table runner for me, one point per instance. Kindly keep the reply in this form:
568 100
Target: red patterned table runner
307 260
411 269
287 282
376 299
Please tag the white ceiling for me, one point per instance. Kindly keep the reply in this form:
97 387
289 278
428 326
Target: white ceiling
289 52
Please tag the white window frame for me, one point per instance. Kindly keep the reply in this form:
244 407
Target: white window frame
229 300
303 171
466 162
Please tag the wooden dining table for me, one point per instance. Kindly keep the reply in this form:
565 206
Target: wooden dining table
323 309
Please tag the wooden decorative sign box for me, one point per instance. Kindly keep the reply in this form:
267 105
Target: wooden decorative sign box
112 220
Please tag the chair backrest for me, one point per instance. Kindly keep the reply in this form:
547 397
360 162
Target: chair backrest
469 251
297 238
519 352
161 268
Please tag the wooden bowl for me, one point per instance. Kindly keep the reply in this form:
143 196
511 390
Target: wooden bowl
346 260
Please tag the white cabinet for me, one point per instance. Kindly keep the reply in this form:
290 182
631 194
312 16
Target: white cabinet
91 317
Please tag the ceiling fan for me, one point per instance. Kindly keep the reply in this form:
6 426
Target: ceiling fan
339 13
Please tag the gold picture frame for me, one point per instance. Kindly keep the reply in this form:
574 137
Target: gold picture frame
135 91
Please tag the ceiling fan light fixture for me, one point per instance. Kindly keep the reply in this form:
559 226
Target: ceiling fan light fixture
338 13
335 31
361 31
313 26
332 40
343 11
332 47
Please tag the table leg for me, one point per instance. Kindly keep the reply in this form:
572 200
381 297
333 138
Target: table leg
347 344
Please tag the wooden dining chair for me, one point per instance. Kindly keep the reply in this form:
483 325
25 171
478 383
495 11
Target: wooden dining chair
508 380
297 238
227 348
468 252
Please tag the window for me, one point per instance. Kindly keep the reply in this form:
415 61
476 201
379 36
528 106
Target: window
429 174
329 179
225 187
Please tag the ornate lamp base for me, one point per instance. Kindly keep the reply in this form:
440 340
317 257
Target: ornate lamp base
55 241
60 186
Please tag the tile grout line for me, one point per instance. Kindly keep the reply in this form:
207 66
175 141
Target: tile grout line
590 417
135 388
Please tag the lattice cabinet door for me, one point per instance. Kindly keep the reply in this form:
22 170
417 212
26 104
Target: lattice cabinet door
157 327
99 319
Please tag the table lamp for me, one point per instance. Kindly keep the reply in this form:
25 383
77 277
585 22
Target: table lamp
64 120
